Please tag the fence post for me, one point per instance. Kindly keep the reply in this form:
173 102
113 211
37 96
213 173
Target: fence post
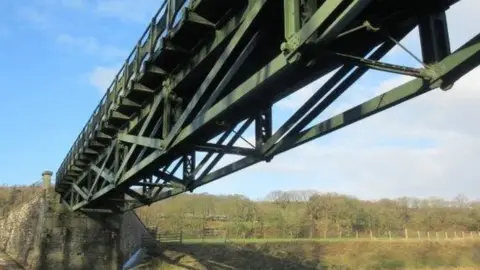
418 233
455 235
390 235
463 235
446 235
436 236
406 234
428 235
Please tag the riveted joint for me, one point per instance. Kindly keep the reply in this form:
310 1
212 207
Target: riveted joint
167 83
292 43
289 49
437 82
428 73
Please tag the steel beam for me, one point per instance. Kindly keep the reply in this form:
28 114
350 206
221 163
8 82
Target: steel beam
434 37
448 70
145 124
193 89
292 15
230 50
140 140
232 150
154 31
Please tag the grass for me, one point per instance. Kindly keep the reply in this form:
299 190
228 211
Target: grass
290 240
305 254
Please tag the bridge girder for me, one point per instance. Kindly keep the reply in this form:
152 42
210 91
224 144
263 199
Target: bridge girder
216 73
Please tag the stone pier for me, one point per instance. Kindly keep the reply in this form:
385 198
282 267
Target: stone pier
42 234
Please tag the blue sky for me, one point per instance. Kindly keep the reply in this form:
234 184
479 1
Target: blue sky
58 56
51 51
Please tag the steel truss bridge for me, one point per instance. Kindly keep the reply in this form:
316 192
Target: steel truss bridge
205 70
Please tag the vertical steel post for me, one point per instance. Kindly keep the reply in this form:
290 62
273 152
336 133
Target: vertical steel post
170 14
434 37
291 11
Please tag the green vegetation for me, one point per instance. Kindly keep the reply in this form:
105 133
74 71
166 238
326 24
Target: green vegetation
320 255
13 196
308 230
306 214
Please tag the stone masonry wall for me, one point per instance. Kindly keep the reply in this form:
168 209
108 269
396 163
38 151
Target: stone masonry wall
73 241
132 232
19 232
42 234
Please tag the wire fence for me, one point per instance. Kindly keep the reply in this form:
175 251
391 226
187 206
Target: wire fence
223 236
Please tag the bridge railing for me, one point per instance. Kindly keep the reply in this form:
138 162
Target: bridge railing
165 19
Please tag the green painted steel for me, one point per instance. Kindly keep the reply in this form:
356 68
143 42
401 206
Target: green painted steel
210 69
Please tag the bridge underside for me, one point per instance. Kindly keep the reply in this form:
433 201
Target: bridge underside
196 81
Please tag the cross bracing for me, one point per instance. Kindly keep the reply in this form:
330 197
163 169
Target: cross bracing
205 71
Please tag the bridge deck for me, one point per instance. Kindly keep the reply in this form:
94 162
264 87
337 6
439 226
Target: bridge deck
203 67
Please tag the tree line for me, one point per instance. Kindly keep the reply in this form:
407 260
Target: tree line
303 213
309 214
14 196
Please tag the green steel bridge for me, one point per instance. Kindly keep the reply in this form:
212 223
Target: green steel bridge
206 70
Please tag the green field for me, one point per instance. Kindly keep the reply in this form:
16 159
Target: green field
319 254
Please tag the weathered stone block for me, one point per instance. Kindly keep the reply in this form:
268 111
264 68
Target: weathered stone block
40 238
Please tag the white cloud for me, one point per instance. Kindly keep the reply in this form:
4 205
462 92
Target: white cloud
427 146
90 45
463 21
462 24
294 101
102 77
